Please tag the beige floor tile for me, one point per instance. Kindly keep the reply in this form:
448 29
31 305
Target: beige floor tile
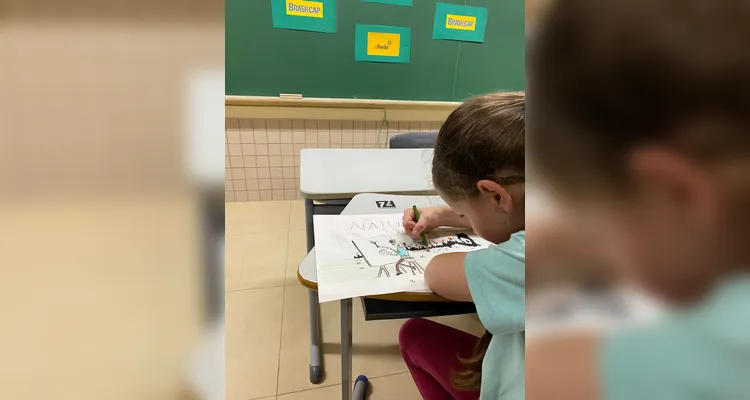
253 336
296 252
257 216
392 387
325 393
297 219
376 351
399 387
255 260
375 348
295 342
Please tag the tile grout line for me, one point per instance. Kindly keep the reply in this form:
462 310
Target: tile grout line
283 299
338 384
253 288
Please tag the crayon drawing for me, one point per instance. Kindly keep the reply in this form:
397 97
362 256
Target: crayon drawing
359 255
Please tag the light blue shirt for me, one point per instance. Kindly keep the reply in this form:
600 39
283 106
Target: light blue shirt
402 252
700 353
497 282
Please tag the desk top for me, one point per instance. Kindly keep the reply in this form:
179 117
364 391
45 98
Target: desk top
344 173
307 273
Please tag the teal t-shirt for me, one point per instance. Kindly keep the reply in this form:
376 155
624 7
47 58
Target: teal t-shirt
700 353
497 280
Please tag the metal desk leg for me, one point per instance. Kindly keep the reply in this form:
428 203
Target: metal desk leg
346 349
309 224
360 388
316 367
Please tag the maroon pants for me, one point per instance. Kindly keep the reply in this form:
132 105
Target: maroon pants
431 352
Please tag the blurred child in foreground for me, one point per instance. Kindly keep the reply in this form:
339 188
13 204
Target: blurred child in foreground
639 118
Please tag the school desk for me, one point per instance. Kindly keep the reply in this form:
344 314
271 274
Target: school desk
387 306
330 178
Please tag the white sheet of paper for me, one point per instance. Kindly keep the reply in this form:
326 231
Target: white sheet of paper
361 255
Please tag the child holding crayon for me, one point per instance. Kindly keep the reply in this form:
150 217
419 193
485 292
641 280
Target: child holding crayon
478 169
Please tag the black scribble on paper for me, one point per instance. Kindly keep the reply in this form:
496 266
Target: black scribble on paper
448 242
401 251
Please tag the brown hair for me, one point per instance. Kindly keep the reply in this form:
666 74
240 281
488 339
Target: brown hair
606 77
481 139
484 138
470 378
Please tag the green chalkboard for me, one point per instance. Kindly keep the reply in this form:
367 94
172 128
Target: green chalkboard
263 61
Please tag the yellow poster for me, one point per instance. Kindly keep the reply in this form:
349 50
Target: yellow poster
383 44
303 8
460 22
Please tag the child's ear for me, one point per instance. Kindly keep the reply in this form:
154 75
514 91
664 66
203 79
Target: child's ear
499 195
675 182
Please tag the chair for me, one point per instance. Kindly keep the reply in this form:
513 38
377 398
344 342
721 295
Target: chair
414 140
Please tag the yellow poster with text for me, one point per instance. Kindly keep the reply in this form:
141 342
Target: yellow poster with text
383 44
460 22
302 8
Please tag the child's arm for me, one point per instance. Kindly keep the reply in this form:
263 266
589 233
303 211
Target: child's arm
563 367
445 276
431 218
557 249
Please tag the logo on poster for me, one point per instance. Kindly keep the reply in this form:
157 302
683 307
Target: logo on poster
460 22
303 8
383 44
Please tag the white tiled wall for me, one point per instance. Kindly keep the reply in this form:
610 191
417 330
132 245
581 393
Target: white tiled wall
262 155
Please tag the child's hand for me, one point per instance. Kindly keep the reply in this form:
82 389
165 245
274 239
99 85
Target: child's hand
429 219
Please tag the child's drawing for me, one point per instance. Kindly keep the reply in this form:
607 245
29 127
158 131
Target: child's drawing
382 252
360 255
444 244
382 269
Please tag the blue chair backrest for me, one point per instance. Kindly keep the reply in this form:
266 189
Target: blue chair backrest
414 140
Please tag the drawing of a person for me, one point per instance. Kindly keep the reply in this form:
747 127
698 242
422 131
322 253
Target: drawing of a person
405 259
390 252
382 270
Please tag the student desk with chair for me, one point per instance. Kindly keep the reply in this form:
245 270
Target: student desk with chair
330 181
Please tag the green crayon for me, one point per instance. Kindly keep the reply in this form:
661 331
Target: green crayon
424 235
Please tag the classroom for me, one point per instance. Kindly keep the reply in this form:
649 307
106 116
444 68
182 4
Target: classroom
370 238
317 123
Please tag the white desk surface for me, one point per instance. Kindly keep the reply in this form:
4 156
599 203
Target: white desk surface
365 204
344 173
